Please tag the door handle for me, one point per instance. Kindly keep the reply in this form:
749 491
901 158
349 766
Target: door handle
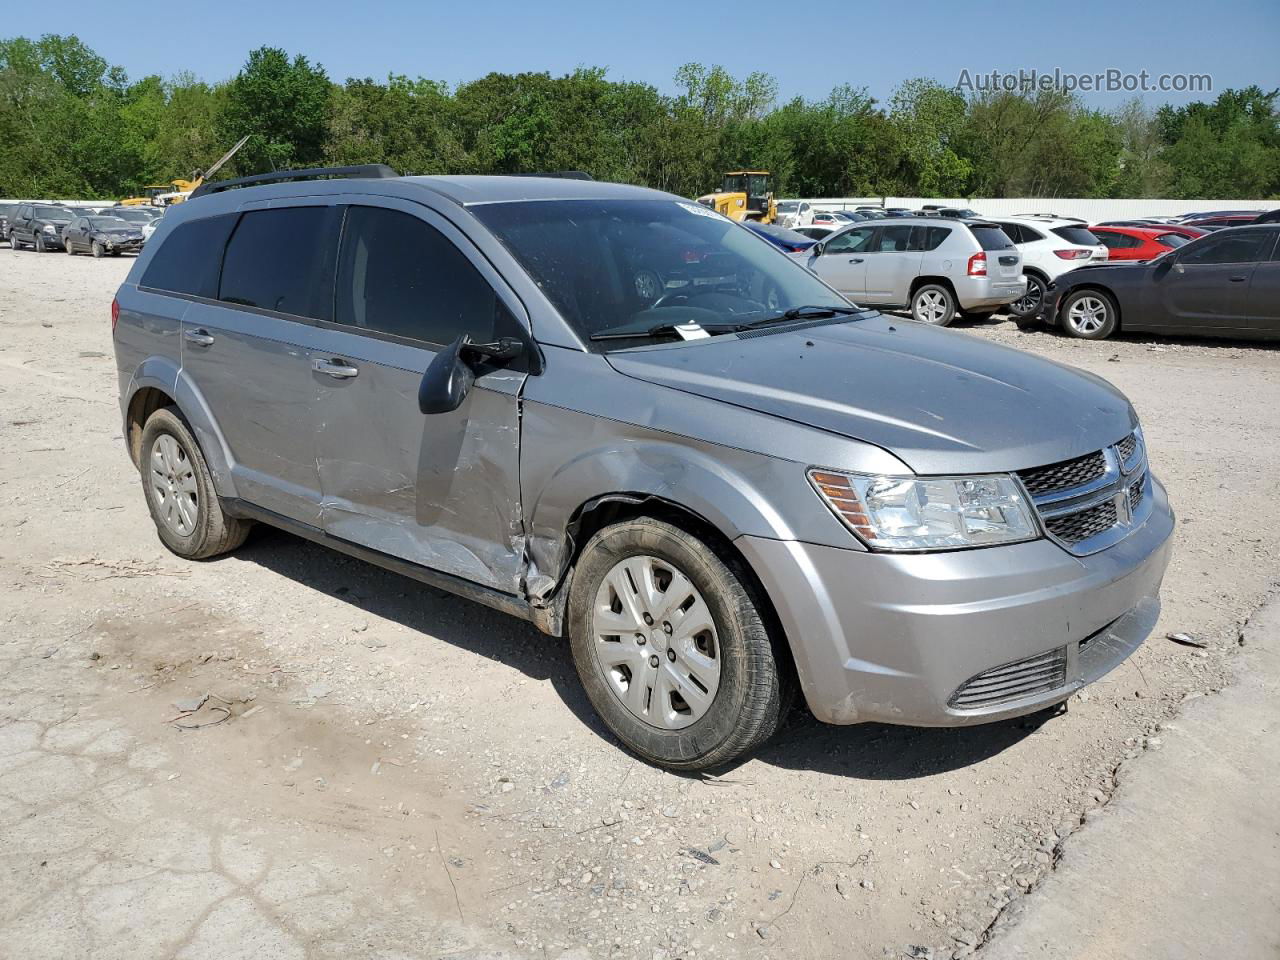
338 369
1237 279
855 259
201 338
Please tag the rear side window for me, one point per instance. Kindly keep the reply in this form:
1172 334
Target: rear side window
928 238
399 275
188 260
1117 241
992 238
281 260
1080 235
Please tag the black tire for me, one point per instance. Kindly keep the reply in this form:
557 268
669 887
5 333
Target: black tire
96 249
69 248
1030 303
934 304
1090 324
755 686
213 531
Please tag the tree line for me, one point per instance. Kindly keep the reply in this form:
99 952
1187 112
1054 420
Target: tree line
73 126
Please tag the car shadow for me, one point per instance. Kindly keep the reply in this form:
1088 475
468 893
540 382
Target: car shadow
1157 340
869 751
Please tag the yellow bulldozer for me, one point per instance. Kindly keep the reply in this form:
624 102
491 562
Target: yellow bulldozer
175 191
744 195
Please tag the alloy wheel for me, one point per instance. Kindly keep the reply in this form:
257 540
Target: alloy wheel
655 642
173 486
1028 303
931 307
1087 315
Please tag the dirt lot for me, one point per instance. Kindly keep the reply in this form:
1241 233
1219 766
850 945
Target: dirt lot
405 774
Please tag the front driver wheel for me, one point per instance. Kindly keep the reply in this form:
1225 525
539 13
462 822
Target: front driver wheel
39 244
934 304
179 491
1089 315
672 647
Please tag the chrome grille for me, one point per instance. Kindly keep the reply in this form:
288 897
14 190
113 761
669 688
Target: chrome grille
1064 475
1012 681
1090 502
1074 527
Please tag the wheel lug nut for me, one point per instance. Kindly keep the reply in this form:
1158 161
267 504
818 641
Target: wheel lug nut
671 655
640 639
648 620
666 628
653 660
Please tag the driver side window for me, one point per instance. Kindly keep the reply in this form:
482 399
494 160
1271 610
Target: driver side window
857 240
1239 248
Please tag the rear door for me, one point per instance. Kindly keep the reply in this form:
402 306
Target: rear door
441 491
1208 286
892 266
843 262
246 351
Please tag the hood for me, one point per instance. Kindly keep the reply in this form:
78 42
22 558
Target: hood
941 401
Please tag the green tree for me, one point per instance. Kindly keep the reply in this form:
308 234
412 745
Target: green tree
929 121
282 105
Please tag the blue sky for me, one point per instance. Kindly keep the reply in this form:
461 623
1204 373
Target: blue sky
809 47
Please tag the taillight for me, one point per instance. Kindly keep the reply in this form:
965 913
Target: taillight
115 313
978 264
1073 254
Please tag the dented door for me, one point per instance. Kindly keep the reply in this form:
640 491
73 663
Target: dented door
440 490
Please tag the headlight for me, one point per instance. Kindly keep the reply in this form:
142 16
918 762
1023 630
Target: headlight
48 228
928 513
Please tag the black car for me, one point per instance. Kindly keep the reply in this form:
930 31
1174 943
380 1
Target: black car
7 212
39 226
1226 284
101 236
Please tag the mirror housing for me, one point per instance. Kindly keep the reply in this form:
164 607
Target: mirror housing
817 249
448 379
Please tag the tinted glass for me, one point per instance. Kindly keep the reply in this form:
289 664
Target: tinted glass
1117 241
52 213
1080 235
992 238
401 276
1237 248
279 260
928 238
645 264
789 206
107 223
189 258
895 239
1174 240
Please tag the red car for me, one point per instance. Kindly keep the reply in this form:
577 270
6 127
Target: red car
1182 229
1138 243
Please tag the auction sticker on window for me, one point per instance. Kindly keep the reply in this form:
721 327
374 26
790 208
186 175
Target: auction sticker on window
699 209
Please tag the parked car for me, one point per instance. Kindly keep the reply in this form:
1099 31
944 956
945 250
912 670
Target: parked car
826 218
1050 246
816 233
1191 233
932 268
139 215
39 226
1226 284
958 213
101 236
896 212
149 228
715 500
788 241
1138 243
794 213
1271 216
855 216
7 210
1226 218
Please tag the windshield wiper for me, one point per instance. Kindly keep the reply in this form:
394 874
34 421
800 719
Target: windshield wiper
799 313
658 330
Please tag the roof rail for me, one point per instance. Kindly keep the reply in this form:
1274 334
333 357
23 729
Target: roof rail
560 175
366 171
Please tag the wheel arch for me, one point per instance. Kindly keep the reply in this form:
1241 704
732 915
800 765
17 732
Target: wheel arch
926 279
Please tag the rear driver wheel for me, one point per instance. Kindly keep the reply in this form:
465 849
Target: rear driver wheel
672 647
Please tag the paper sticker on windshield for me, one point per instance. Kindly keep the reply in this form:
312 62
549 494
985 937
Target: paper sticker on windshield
699 209
691 331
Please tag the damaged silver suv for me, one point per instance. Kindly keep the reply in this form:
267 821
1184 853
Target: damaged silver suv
634 423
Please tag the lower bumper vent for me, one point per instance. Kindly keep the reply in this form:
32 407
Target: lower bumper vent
1022 678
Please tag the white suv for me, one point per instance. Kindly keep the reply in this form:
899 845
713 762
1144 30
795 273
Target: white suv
794 213
1050 246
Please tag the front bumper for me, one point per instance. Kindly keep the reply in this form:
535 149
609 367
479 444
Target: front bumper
897 638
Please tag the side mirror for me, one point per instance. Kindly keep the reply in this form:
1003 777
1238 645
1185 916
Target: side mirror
448 379
818 248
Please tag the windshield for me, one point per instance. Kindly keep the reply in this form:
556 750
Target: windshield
734 184
788 206
109 223
52 213
134 215
645 264
757 185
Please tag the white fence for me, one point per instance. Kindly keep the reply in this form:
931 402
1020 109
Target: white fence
1091 210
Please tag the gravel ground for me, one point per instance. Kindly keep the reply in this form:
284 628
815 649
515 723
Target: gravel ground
434 766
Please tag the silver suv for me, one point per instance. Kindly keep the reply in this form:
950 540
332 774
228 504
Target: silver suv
934 267
721 488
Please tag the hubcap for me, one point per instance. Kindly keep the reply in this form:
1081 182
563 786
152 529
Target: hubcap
173 486
647 286
656 643
931 307
1087 315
